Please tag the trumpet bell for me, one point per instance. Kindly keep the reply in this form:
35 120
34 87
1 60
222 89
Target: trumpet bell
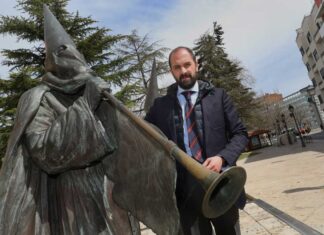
222 191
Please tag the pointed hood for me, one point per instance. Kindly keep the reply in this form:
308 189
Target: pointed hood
152 90
54 33
55 38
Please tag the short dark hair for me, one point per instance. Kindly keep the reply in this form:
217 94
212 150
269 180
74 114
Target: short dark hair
179 48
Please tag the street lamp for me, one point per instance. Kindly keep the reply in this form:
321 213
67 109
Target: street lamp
278 126
283 119
292 114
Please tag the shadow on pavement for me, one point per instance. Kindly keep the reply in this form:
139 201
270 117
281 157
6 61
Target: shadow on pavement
318 136
296 190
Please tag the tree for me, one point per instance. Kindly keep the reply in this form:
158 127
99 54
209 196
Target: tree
215 66
268 115
26 64
141 53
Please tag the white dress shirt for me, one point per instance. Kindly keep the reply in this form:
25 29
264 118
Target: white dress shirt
182 102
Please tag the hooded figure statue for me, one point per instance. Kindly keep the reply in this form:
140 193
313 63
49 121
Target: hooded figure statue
66 154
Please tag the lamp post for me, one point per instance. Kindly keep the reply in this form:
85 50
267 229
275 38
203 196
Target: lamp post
278 131
283 119
278 127
292 114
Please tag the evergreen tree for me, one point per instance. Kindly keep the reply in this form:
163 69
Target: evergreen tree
26 64
141 53
215 66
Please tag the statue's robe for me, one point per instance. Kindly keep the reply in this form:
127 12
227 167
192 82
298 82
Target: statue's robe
56 176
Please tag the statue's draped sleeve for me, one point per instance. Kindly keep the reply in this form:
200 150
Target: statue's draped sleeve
58 139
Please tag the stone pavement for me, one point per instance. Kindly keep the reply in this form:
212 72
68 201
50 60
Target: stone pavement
290 178
254 220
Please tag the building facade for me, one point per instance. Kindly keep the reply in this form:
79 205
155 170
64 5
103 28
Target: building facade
270 98
269 110
306 108
274 110
310 41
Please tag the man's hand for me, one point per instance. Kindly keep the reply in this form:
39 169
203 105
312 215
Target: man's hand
214 163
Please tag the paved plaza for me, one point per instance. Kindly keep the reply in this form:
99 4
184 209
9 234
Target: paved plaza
290 178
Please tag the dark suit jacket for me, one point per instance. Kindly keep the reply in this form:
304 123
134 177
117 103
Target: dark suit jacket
223 132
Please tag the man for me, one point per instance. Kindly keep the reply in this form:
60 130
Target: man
202 120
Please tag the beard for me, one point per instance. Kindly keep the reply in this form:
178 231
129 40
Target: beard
187 81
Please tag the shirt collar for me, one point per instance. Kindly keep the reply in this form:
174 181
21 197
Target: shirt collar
195 89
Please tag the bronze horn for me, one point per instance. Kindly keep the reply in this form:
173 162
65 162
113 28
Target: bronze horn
222 190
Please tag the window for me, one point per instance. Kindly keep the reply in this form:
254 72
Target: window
308 67
301 49
318 25
315 54
322 73
320 99
314 82
309 37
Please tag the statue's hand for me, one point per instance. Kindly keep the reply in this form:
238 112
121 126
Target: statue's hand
93 91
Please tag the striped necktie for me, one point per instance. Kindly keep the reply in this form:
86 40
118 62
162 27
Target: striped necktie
194 143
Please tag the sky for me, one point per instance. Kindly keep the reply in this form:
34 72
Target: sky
260 34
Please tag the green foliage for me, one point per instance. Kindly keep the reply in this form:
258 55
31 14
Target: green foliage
10 91
93 42
216 67
141 53
27 64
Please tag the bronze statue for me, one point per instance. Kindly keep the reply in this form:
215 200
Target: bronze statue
71 153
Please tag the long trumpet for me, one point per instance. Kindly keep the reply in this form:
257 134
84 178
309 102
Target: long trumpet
222 190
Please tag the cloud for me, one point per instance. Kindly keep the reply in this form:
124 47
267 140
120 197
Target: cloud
286 74
251 26
7 41
8 7
107 10
124 15
10 42
259 33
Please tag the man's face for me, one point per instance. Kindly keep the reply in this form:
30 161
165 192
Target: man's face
183 68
